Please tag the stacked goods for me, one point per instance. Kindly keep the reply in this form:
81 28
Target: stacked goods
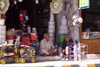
33 36
51 27
2 34
10 35
26 51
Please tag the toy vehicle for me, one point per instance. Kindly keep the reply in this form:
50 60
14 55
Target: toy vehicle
6 51
26 51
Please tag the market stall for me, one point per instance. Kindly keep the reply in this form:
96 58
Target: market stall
89 30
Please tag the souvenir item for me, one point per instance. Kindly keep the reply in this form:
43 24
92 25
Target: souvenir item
29 29
51 27
98 34
26 18
33 36
95 35
4 4
85 35
91 35
21 17
20 0
56 6
36 1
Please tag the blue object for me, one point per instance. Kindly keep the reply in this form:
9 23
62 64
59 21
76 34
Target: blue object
33 44
26 18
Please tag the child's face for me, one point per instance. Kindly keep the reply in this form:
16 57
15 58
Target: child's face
67 38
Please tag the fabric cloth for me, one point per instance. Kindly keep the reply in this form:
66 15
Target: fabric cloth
43 51
65 43
65 46
66 50
45 46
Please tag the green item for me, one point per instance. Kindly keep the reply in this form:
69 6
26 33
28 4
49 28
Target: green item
91 35
60 44
61 39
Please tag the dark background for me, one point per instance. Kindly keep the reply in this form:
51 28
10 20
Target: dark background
39 15
93 11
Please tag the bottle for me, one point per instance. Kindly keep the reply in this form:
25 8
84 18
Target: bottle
29 29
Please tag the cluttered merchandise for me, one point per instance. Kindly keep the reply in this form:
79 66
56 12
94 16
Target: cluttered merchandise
17 46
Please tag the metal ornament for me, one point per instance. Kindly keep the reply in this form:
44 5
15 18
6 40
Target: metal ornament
77 20
4 5
56 6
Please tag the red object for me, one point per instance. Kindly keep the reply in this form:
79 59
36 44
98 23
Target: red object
21 17
25 40
28 26
9 37
56 43
25 46
33 36
22 11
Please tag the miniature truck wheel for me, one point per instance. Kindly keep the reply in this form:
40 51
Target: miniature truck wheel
16 50
2 61
17 59
22 60
33 59
1 53
21 51
32 51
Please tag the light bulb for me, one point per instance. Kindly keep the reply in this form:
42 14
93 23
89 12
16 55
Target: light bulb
20 0
15 2
36 1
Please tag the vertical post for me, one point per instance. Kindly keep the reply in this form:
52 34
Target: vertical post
80 25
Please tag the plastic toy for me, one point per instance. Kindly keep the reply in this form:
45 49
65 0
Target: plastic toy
26 51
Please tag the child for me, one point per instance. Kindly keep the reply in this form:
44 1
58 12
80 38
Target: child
65 48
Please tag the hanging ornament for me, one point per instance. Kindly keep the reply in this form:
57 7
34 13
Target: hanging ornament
56 6
77 20
15 2
26 18
21 17
36 1
4 4
80 19
20 0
